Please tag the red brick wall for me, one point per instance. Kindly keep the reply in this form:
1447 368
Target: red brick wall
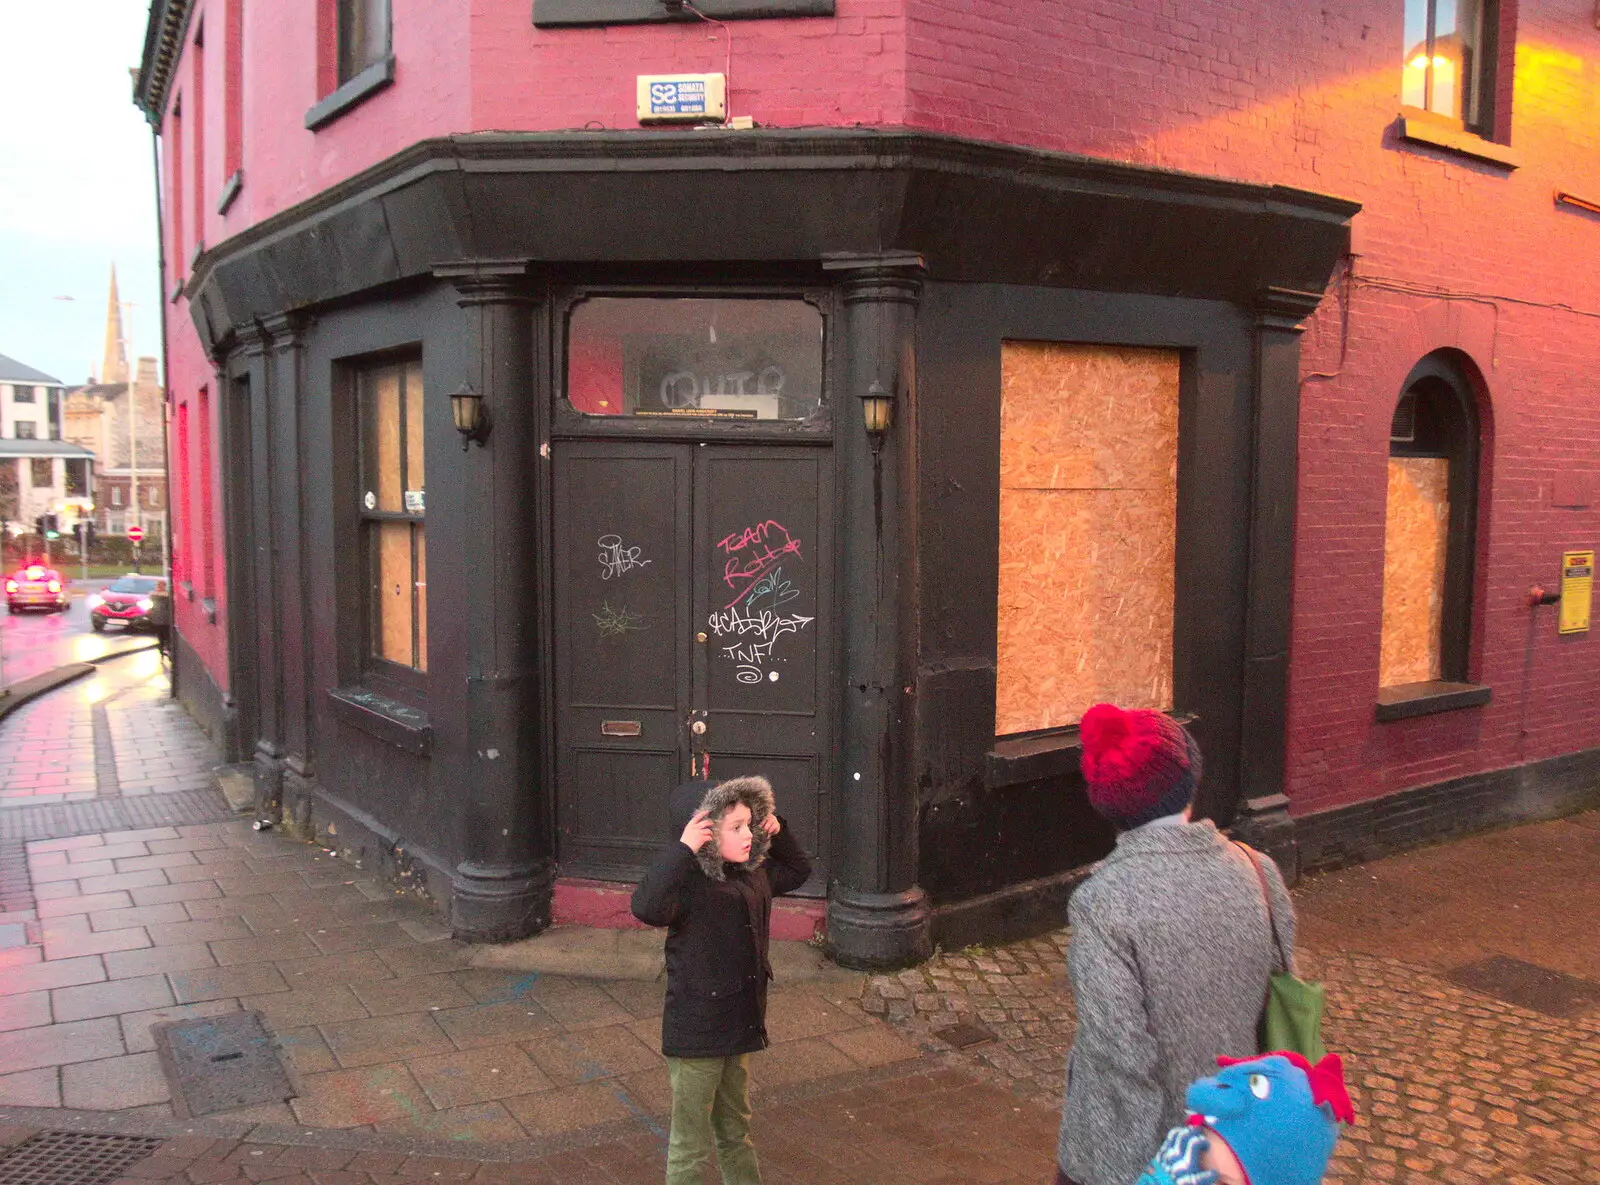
1307 95
1447 253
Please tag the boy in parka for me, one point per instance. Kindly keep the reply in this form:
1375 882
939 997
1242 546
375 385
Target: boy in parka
713 888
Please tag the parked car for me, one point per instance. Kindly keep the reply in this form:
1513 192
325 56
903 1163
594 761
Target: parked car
127 602
36 587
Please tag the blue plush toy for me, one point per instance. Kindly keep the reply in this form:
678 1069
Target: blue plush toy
1271 1120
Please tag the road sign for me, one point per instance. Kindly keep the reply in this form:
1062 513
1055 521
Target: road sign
136 533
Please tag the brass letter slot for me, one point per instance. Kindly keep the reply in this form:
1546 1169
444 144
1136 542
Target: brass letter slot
619 728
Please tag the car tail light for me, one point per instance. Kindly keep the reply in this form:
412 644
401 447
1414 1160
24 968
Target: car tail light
55 586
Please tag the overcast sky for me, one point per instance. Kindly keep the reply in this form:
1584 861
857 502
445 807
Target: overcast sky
76 188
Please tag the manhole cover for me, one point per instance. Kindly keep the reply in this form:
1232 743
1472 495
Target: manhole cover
72 1158
1528 985
964 1034
217 1063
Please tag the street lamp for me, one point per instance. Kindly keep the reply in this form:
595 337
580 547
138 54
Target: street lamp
471 417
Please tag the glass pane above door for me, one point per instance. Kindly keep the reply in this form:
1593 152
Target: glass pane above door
693 357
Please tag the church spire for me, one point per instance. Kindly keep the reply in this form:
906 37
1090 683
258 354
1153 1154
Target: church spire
114 367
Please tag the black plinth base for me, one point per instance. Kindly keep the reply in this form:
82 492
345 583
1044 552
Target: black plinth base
499 903
879 931
1265 824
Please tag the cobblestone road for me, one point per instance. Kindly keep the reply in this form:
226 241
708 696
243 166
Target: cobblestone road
1449 1084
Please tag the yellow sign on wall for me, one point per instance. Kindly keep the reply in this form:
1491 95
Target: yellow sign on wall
1577 591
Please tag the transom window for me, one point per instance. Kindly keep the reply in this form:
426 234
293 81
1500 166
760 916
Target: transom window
392 510
1449 59
701 358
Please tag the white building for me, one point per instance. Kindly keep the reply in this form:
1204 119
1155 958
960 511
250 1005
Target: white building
30 402
44 477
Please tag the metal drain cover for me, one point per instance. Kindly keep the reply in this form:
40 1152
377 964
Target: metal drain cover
72 1158
1527 985
217 1063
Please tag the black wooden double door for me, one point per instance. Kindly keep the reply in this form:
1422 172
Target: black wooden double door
693 594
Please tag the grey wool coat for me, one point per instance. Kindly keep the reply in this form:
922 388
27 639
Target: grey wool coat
1169 960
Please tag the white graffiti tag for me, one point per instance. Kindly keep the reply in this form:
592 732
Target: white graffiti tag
615 559
756 636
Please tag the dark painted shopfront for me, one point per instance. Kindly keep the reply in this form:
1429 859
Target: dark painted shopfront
776 470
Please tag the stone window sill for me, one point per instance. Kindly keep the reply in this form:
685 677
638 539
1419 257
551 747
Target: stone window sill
390 721
358 90
1407 700
230 190
1016 760
555 13
1418 127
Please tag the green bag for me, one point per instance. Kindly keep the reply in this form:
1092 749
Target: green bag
1291 1017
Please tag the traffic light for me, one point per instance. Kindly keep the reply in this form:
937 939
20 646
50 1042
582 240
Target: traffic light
38 526
49 530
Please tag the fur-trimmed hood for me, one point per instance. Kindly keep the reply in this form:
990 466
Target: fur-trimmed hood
754 791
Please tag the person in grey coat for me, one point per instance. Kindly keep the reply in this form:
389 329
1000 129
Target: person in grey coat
1170 954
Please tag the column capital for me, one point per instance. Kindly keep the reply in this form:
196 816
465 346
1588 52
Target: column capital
1284 308
251 339
284 330
895 277
488 281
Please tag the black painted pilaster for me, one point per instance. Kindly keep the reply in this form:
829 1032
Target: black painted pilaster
1261 812
265 746
502 884
286 390
878 917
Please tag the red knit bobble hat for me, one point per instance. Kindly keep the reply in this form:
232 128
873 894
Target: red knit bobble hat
1139 765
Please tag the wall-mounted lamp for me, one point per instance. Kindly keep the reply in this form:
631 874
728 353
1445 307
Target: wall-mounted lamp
877 413
472 418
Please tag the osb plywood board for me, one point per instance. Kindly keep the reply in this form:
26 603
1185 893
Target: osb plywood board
1088 526
1416 533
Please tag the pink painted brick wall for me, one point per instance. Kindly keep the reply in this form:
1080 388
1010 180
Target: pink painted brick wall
1255 90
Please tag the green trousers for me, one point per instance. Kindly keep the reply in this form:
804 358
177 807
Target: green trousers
711 1106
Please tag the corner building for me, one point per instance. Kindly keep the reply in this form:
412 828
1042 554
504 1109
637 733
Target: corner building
1237 363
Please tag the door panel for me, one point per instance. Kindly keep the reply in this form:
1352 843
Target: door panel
622 656
692 592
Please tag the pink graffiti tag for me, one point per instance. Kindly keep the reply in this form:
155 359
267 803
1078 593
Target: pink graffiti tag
754 552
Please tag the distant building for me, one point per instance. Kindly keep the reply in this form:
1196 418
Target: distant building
30 402
97 417
42 477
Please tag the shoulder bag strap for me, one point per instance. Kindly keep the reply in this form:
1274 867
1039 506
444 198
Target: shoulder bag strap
1266 897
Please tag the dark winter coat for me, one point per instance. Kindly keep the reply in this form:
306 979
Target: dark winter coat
718 916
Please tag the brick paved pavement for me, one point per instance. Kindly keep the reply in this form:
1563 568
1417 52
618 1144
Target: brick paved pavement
410 1063
115 733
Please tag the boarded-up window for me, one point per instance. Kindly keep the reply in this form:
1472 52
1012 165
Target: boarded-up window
1415 550
392 510
1088 527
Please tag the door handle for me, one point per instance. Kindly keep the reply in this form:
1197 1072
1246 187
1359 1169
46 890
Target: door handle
698 728
700 637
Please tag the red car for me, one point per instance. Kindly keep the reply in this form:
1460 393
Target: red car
36 587
127 601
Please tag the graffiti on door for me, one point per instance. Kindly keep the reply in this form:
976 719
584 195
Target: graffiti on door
754 620
616 559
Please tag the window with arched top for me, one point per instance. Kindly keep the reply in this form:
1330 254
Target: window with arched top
1430 531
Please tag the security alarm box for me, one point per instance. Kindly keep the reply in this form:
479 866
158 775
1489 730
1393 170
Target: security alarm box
682 98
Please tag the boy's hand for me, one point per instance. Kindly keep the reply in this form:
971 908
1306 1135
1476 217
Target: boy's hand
698 833
771 825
